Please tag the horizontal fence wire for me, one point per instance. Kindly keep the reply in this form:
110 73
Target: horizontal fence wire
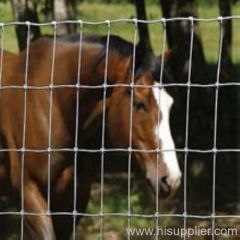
180 150
130 150
122 214
83 86
123 20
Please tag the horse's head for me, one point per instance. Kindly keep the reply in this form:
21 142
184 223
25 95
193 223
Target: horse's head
151 139
150 131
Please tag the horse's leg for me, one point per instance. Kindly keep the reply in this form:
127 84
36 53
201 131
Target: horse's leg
38 227
64 224
4 191
63 202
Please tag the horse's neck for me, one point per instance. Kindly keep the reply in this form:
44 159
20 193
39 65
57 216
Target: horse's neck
7 54
95 72
8 63
117 70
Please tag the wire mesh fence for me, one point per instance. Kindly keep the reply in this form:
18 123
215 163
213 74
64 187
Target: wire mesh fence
130 149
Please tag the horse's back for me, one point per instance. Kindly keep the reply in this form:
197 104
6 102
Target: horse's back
15 112
6 66
42 70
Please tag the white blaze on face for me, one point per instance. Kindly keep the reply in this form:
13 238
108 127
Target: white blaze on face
163 133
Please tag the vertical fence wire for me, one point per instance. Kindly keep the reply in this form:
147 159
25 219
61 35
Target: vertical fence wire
77 128
23 149
1 54
108 24
54 25
135 22
187 123
215 127
159 87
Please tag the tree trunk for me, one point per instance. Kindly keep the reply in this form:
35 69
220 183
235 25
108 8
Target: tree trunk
168 10
48 10
24 10
226 64
174 8
65 10
231 128
144 36
178 36
60 14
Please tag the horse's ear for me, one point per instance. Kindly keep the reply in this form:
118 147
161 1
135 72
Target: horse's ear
124 69
143 57
166 55
95 115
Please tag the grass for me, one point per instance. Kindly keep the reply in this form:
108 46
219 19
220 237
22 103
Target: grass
115 195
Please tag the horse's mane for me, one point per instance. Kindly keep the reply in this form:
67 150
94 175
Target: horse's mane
117 44
124 49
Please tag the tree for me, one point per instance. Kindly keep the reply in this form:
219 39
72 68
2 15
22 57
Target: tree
144 36
168 10
178 36
24 10
65 10
226 63
229 98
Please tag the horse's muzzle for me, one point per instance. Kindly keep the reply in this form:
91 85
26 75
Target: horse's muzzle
168 187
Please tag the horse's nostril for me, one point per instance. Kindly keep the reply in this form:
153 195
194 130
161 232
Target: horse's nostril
164 186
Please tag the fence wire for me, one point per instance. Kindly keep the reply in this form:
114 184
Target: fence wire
130 150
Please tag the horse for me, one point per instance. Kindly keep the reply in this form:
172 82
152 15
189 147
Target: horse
53 119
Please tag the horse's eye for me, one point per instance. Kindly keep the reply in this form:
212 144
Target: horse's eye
140 105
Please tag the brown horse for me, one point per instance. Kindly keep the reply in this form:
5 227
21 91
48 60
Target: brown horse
49 118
